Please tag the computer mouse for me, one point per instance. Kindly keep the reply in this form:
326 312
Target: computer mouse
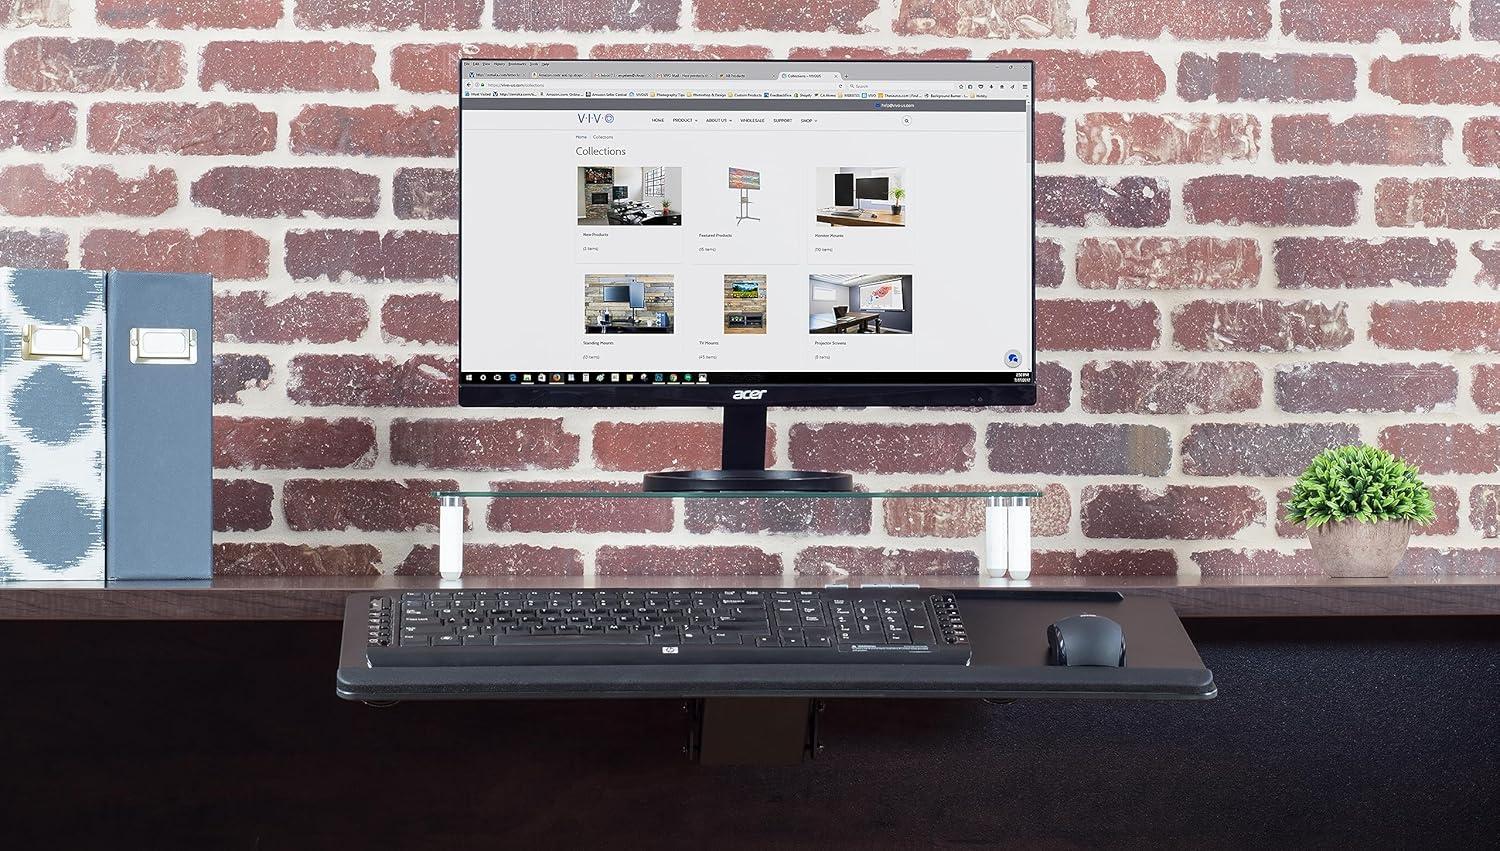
1086 639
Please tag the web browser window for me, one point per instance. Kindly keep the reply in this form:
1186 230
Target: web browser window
738 222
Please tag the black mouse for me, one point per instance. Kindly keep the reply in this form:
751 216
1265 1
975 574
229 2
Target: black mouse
1086 639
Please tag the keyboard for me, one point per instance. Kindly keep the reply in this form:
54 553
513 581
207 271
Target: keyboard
656 627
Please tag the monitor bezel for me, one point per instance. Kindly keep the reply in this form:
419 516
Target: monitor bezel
895 393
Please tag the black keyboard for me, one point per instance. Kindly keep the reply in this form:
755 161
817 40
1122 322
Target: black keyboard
655 627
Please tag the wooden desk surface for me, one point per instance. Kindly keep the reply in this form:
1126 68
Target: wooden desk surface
868 218
322 598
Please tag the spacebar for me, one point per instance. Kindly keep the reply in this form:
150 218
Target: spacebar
520 650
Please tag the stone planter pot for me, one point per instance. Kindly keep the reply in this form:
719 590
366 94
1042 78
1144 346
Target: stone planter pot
1350 549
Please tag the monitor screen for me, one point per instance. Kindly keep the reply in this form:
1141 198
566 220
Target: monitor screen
876 188
867 256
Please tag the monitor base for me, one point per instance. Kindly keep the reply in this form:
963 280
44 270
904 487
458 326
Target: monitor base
702 481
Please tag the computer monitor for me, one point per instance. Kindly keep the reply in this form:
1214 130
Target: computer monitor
872 188
925 300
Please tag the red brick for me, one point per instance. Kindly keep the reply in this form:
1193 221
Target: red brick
1439 448
1362 139
53 64
777 516
16 14
1277 201
1079 449
1436 326
287 443
366 505
388 14
1484 19
578 514
1485 387
1482 140
587 16
1169 387
983 19
287 66
1284 78
227 255
1317 388
36 126
368 255
33 249
964 516
1439 202
1472 80
844 16
214 129
1054 392
1075 201
1261 325
378 131
679 51
1078 76
1140 138
1488 255
85 190
1177 512
1339 263
420 318
1195 20
1104 563
1243 449
835 561
1073 324
241 505
647 447
870 52
685 561
251 317
268 192
1047 138
882 448
235 559
425 193
1431 561
1049 269
189 14
1168 263
1250 562
1358 20
233 374
1484 510
497 560
373 381
1444 504
483 444
434 67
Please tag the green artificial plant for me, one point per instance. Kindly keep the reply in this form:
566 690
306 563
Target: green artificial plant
1361 483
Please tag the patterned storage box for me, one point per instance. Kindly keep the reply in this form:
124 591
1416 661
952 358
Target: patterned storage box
51 425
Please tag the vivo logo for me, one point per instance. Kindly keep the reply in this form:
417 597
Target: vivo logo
741 395
596 118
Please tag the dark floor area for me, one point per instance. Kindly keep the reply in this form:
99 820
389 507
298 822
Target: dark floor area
1380 733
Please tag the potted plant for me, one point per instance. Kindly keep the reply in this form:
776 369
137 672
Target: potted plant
666 206
1358 504
896 195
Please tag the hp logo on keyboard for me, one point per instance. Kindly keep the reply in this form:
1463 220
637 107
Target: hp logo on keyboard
669 651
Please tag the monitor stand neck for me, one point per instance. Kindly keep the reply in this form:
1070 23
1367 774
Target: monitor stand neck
743 456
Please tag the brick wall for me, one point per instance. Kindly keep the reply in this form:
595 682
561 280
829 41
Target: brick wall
1266 227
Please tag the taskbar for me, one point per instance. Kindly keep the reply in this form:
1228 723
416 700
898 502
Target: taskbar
678 379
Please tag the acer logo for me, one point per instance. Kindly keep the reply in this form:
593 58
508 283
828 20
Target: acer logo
596 118
740 395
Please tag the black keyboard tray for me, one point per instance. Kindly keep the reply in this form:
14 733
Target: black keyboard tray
1007 629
